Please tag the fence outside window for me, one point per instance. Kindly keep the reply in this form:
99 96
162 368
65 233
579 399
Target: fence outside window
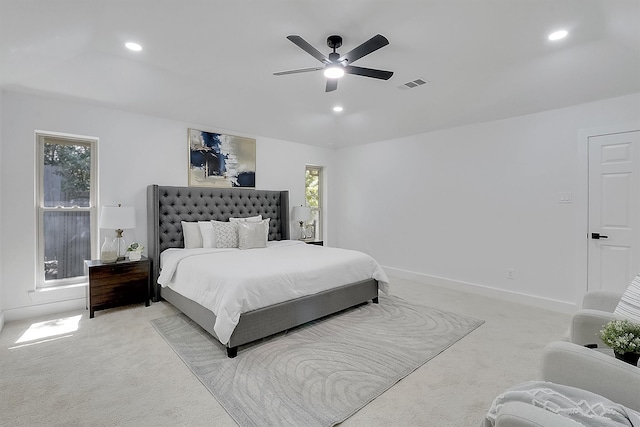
66 208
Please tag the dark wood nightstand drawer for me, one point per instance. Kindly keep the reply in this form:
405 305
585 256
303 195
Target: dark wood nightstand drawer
114 285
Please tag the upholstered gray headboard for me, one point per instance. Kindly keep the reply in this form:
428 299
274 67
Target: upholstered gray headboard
168 206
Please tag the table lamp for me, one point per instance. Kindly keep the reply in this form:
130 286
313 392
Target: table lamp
118 218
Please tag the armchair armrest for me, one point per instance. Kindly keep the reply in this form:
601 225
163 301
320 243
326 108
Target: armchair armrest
601 300
586 325
577 366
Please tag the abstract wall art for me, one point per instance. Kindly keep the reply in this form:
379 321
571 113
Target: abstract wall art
219 160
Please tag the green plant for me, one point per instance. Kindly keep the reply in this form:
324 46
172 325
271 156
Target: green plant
622 336
135 247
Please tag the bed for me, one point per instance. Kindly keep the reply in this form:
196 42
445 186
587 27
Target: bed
168 206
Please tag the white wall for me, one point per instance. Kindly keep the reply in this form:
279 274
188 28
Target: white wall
1 239
459 206
134 150
463 205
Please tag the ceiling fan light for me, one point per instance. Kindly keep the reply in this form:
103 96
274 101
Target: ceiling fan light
558 35
133 46
334 72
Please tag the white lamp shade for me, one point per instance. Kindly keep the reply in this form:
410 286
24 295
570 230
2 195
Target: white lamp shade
301 213
118 217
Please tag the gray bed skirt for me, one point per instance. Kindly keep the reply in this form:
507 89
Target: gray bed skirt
270 320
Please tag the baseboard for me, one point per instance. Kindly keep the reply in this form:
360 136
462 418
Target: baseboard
472 288
46 309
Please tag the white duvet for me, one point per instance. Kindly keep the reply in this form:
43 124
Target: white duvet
230 282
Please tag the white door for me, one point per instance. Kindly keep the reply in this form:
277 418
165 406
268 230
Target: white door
614 211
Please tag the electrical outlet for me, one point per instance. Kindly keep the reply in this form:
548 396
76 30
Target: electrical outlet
511 273
564 197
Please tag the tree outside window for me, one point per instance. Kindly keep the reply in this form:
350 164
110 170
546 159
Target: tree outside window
313 193
66 208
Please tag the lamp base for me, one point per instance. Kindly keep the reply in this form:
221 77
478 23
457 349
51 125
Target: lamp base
301 231
120 244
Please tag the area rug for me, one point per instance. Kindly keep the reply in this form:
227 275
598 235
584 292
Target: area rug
320 373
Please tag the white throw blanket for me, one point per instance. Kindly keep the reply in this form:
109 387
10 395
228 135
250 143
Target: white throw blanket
230 282
581 406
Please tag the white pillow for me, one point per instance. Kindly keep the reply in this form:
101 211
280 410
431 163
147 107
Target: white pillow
226 234
629 305
256 218
191 235
208 234
251 235
265 222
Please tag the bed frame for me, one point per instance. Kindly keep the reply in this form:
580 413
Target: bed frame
167 206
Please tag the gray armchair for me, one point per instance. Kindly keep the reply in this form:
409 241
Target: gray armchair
576 366
597 310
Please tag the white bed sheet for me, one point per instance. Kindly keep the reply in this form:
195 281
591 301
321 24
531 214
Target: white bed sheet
230 282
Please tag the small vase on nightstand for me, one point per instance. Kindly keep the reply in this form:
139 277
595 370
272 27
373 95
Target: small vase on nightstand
135 255
108 253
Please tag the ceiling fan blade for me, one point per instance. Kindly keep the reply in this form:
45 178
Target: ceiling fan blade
301 70
371 45
368 72
304 45
332 84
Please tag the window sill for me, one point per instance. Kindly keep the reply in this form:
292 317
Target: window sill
60 287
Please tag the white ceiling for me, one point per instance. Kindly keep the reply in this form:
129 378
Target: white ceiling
210 62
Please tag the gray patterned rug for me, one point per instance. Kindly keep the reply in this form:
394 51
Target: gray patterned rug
321 373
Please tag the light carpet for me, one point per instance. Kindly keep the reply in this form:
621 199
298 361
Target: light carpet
321 373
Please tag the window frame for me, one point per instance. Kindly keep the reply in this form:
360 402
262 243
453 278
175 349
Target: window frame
319 229
42 138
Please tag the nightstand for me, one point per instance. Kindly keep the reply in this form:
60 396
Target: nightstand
117 284
314 242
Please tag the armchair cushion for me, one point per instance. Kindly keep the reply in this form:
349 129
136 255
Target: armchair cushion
597 310
629 305
577 366
581 387
586 325
601 300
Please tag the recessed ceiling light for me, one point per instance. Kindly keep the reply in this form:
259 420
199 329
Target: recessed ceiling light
558 35
133 46
338 109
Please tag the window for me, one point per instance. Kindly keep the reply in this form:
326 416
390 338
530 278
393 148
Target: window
66 208
313 191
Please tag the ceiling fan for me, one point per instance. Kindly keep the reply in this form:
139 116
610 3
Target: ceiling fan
335 66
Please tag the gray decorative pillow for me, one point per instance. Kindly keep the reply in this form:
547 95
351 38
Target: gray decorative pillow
251 235
191 235
629 305
226 234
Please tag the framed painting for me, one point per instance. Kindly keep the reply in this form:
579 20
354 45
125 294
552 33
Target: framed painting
219 160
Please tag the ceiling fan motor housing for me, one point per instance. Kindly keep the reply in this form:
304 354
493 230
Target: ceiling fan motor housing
333 57
334 42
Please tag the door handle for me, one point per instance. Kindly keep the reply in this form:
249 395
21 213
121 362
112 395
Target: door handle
598 236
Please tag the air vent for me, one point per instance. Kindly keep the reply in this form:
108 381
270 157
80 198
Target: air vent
412 84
